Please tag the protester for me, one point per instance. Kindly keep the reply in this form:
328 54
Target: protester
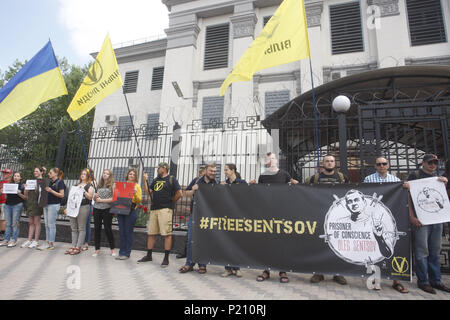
273 174
201 173
103 199
55 191
427 238
127 222
6 177
329 175
34 211
87 239
208 178
233 177
78 224
13 209
382 176
164 192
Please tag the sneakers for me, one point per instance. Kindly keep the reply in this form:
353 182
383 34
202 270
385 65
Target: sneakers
441 287
427 288
238 273
26 244
44 247
227 273
340 279
12 244
122 258
33 245
145 259
317 278
3 243
114 254
165 263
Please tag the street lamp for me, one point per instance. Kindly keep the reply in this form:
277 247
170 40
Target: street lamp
178 90
341 104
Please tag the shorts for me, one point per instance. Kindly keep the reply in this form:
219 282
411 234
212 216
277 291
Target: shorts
160 222
2 214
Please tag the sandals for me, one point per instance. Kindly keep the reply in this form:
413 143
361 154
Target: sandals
264 276
75 251
283 279
69 251
400 288
185 269
85 248
202 270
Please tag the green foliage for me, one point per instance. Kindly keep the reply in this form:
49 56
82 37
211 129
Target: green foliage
34 140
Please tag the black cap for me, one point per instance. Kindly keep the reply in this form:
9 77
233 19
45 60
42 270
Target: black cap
429 157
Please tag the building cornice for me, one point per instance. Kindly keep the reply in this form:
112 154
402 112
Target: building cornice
243 25
387 7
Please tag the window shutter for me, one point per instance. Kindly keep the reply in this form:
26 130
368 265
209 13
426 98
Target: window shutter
212 112
346 28
131 80
157 78
274 100
217 46
152 126
426 23
125 128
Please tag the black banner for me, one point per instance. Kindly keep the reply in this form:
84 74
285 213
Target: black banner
340 229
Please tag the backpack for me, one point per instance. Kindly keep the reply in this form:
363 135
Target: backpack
341 177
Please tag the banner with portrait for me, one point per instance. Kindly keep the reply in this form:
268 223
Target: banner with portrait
430 200
74 201
340 229
122 198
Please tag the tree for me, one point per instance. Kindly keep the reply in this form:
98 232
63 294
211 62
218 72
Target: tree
34 140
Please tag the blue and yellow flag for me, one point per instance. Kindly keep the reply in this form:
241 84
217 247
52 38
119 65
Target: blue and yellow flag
38 81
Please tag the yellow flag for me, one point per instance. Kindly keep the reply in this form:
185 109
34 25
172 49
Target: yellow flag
284 39
102 80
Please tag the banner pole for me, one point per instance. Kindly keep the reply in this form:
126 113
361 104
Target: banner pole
85 154
134 131
316 117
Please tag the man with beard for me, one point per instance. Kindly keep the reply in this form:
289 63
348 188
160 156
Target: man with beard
165 191
329 175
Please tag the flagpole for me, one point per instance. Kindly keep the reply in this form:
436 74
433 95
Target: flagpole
134 131
85 154
316 117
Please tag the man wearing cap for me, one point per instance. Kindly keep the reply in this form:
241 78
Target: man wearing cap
6 177
427 238
164 191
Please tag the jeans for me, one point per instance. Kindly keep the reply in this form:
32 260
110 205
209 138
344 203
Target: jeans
50 215
78 226
126 228
427 249
99 216
189 262
12 217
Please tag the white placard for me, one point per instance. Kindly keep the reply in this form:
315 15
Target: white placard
74 201
30 185
10 188
430 200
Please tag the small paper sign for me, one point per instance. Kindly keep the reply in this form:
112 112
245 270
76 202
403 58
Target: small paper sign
10 188
31 185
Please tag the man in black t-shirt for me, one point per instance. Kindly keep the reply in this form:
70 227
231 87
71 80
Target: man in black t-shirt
330 175
165 191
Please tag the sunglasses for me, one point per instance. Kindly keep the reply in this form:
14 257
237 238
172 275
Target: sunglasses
379 164
432 162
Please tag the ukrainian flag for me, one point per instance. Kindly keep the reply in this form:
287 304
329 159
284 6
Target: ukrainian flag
38 81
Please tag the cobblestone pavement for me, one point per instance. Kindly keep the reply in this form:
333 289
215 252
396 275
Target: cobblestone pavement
51 275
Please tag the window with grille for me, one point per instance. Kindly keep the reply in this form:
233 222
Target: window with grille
346 28
119 173
216 47
152 126
157 78
125 130
131 80
212 112
274 100
426 23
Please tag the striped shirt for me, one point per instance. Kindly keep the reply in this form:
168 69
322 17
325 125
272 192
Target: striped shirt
377 178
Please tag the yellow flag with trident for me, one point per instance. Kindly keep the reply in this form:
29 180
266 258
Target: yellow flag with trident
102 80
284 39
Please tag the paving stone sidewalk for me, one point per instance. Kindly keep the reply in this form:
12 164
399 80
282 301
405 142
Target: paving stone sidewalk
50 275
